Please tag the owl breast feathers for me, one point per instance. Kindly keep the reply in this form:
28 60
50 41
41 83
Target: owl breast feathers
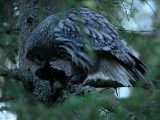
87 40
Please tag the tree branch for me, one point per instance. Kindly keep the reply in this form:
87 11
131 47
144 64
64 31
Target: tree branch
14 73
103 83
5 99
143 31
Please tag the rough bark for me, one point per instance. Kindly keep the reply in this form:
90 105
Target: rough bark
28 19
31 13
27 22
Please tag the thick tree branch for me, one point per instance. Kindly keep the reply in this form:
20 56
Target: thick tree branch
101 83
13 73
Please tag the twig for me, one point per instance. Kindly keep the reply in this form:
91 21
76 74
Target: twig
98 6
137 30
151 7
125 9
110 2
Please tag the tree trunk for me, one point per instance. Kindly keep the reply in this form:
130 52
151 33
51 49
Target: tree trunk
27 22
31 13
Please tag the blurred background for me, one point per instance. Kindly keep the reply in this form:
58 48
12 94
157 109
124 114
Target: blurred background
137 21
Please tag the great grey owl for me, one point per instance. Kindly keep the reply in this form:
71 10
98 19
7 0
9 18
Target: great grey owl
89 42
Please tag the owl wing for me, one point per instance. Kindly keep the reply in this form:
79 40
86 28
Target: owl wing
84 30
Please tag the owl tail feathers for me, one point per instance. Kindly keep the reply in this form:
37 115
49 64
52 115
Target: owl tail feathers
139 69
113 70
126 75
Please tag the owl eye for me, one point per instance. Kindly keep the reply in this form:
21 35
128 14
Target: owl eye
39 60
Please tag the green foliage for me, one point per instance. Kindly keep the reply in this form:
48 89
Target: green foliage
141 105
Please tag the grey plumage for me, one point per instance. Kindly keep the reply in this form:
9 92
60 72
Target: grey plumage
89 42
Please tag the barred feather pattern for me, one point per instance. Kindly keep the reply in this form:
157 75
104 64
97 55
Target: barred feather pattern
77 33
